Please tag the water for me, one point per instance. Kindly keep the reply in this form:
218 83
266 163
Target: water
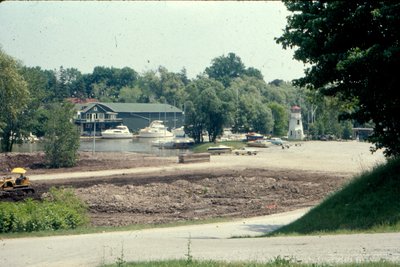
138 145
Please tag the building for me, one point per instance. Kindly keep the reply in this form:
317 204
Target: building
362 133
97 117
295 124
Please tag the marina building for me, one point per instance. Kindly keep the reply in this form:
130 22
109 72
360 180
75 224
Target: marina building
97 117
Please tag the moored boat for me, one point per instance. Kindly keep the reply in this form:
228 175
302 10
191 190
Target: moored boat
156 129
221 149
119 132
259 143
254 136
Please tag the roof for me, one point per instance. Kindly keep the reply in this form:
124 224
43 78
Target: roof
135 107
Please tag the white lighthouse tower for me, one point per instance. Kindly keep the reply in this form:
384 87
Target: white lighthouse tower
295 125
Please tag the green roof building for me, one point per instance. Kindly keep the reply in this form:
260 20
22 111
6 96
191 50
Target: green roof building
135 116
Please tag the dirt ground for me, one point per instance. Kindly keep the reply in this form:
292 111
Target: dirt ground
248 187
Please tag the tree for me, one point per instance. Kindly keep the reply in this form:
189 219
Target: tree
353 50
14 98
210 109
62 137
207 109
281 121
224 69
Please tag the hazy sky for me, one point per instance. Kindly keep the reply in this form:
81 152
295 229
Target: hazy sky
144 35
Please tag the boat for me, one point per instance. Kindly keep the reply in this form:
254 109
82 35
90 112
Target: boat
179 132
254 136
221 149
156 129
259 143
119 132
176 143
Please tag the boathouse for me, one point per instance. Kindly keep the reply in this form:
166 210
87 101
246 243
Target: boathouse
101 116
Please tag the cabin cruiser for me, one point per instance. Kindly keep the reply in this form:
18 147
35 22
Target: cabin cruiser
156 129
119 132
179 132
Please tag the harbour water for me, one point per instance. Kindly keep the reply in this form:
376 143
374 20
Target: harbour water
138 145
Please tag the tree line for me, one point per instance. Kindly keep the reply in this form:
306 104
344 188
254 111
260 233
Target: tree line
226 94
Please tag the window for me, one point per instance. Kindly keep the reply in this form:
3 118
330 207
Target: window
298 122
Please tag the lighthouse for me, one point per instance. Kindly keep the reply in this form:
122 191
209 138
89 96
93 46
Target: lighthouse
295 125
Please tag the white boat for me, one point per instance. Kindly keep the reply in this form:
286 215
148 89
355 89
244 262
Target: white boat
176 143
179 132
156 129
119 132
259 143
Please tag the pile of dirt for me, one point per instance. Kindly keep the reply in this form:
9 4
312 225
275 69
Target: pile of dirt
194 195
179 195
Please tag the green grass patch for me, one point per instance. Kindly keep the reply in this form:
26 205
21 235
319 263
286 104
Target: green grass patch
369 203
60 210
275 263
87 229
200 148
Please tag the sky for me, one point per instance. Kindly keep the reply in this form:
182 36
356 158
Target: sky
144 35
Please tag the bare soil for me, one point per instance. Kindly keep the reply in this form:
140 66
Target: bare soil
181 195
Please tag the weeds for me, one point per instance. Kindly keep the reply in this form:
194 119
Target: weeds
120 262
189 256
60 210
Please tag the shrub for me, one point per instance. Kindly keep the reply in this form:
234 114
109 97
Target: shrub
60 210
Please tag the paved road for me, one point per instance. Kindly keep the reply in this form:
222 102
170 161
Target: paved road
211 241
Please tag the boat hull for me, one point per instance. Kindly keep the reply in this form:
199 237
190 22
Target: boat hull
116 136
155 135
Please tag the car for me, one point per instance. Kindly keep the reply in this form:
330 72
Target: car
276 141
245 151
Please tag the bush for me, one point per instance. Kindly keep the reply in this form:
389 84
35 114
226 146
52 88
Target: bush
60 210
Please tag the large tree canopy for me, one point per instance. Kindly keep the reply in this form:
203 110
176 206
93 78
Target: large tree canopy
352 48
14 97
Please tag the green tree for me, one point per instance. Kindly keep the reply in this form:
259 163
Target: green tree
62 136
210 109
224 69
207 109
130 94
280 116
353 50
33 117
14 98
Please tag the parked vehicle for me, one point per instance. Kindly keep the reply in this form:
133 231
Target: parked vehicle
276 141
245 151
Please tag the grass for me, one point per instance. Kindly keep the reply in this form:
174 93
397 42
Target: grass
275 263
102 229
369 203
200 148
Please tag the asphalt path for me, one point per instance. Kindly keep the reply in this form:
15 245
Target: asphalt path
210 241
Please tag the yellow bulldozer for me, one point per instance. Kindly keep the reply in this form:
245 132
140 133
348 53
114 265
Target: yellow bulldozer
16 185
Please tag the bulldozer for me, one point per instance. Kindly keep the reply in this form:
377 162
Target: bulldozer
16 186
